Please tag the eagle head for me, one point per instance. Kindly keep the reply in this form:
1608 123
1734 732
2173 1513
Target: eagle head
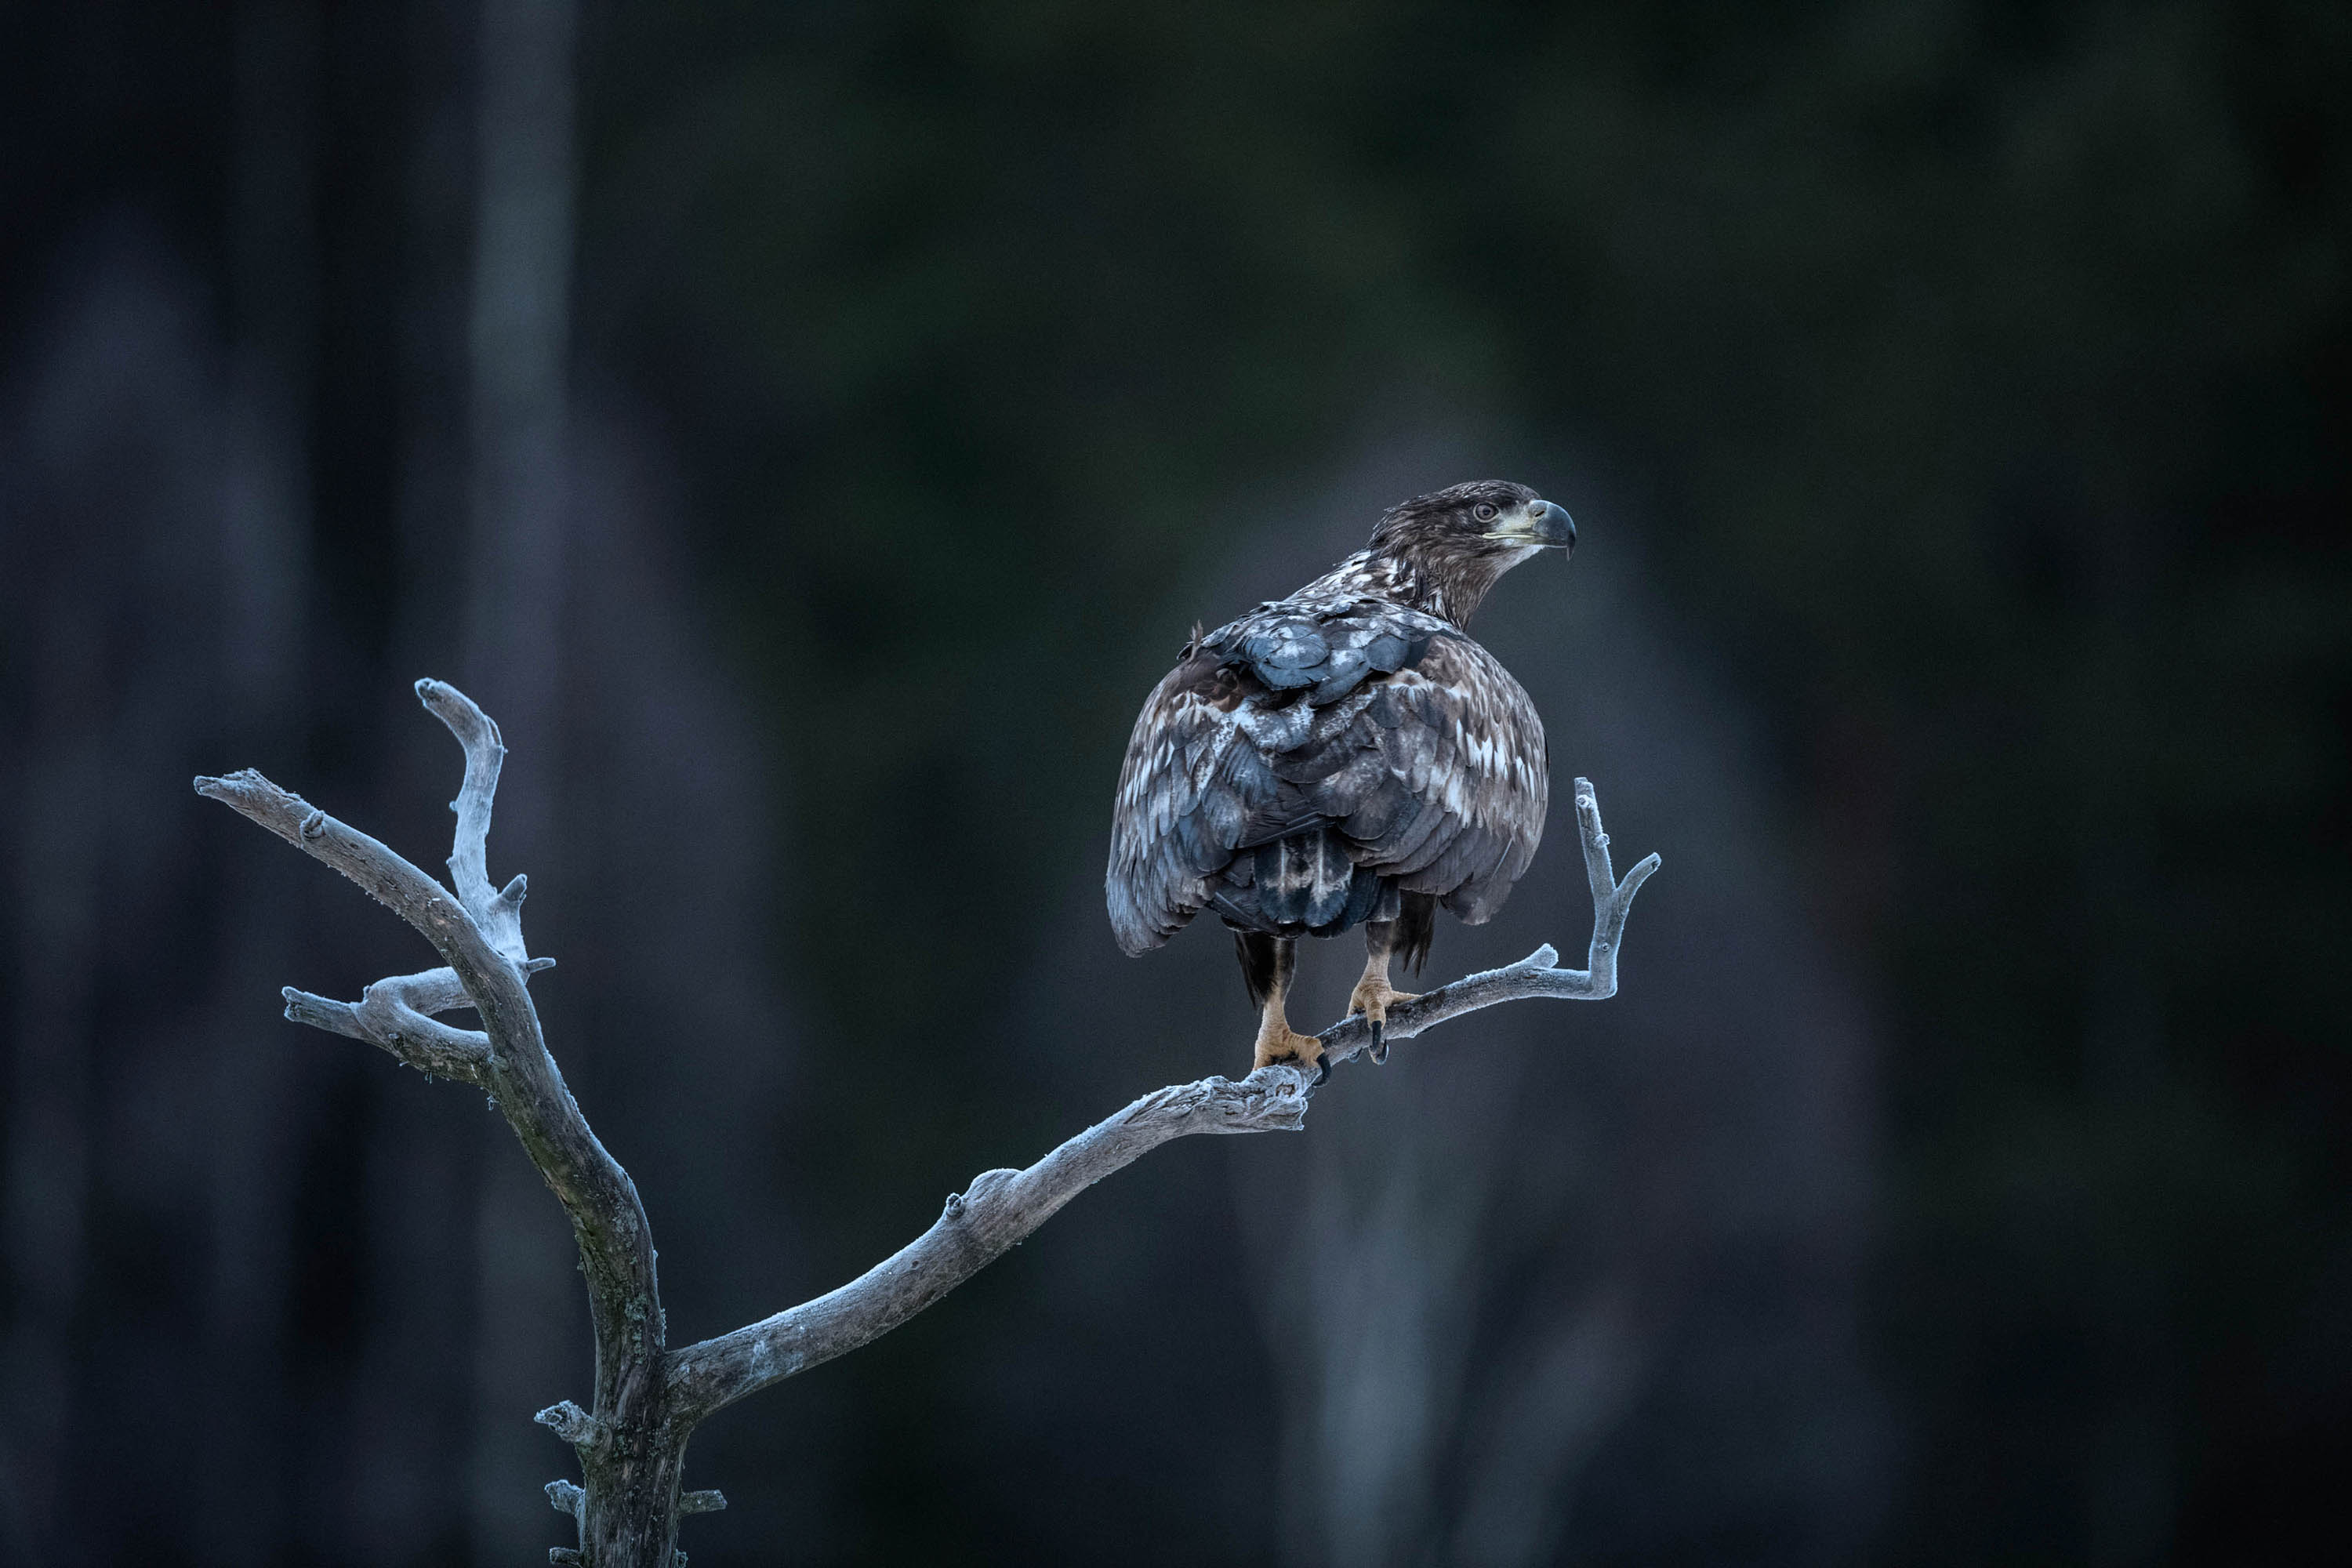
1451 544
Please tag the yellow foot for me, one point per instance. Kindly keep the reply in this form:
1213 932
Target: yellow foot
1280 1043
1373 999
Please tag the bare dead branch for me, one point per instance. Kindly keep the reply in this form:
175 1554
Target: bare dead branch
496 914
392 1015
632 1445
1533 975
478 934
975 1228
615 1240
980 1225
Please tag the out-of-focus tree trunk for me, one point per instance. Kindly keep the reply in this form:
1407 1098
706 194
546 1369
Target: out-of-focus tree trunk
54 952
251 1106
519 515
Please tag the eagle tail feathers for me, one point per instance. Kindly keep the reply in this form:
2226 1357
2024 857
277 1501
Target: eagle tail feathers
1417 928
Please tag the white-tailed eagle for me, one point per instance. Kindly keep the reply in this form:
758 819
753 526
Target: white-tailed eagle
1345 756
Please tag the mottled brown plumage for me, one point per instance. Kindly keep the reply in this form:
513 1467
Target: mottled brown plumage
1344 756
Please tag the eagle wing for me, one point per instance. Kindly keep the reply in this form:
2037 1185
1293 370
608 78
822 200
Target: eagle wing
1457 806
1360 715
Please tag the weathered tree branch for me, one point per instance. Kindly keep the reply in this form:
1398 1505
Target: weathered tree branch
648 1399
1001 1207
478 934
391 1013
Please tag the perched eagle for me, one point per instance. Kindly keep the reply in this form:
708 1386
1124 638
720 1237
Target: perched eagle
1345 756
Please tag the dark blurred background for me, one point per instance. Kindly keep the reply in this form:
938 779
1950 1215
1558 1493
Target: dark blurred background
810 429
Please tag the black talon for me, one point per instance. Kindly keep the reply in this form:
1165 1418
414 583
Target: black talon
1380 1044
1322 1071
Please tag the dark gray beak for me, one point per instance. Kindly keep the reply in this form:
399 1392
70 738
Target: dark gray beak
1553 527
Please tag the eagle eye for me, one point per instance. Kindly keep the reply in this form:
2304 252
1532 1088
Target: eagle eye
1484 512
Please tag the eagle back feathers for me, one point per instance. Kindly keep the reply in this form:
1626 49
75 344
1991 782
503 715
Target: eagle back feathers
1302 766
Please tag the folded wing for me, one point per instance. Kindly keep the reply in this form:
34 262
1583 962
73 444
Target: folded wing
1360 721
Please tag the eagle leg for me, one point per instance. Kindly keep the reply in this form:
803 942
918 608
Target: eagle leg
1268 963
1373 994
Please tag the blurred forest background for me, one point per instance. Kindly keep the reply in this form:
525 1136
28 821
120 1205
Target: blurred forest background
810 429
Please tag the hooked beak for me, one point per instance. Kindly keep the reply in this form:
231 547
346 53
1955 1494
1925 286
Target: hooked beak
1548 527
1554 527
